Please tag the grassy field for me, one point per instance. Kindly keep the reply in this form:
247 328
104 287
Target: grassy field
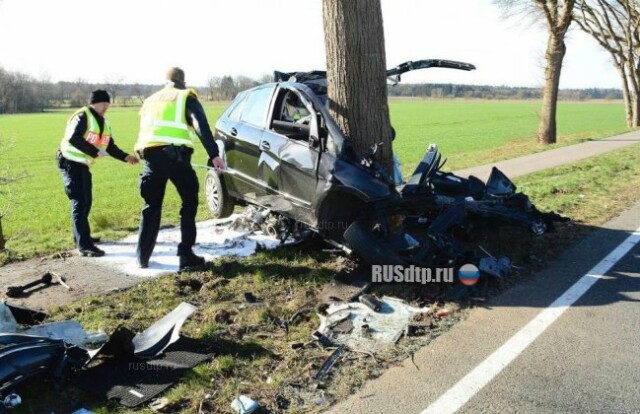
468 133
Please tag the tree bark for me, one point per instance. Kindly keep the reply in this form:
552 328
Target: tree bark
628 111
634 89
556 50
2 239
356 65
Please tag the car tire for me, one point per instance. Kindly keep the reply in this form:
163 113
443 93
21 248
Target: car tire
369 247
219 202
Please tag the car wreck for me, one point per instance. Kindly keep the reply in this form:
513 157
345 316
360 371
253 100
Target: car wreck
286 156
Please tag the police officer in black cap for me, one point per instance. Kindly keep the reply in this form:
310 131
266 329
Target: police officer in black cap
87 137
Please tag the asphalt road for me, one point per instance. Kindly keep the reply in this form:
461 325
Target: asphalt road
531 163
586 361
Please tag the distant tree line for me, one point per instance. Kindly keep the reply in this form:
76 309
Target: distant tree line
20 92
449 90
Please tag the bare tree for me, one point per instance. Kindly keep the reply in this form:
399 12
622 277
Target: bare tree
614 25
227 87
113 84
356 65
139 92
213 88
557 15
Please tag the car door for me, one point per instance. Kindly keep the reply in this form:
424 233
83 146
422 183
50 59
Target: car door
246 124
288 138
234 150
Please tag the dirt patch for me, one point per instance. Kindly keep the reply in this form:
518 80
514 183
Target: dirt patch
83 275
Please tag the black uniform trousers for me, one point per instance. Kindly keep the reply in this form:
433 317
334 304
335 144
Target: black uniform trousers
162 164
76 178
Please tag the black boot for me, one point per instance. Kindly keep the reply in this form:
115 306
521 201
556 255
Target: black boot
91 251
190 260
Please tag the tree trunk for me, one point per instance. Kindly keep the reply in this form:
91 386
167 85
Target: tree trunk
634 89
2 240
628 111
356 65
554 56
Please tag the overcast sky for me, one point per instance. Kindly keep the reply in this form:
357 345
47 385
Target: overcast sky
136 40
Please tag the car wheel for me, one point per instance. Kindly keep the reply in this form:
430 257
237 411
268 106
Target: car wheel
369 246
219 201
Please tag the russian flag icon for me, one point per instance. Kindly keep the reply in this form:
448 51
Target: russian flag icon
468 275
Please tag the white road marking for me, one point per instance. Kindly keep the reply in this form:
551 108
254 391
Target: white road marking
452 400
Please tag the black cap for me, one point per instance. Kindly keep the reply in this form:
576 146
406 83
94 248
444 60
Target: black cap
98 96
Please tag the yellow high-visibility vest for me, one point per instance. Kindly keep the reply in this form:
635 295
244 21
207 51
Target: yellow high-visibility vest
163 120
91 135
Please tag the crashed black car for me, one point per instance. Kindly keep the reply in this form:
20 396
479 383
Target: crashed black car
286 155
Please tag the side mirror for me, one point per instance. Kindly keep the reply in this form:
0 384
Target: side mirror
314 141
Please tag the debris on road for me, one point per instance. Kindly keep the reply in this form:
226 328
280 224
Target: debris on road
163 333
159 404
329 363
57 349
71 332
244 405
495 267
26 316
371 330
8 323
442 313
371 302
44 281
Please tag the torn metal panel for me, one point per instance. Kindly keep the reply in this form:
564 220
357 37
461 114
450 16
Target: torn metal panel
163 333
70 332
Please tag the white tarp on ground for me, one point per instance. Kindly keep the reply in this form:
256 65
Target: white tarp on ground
215 239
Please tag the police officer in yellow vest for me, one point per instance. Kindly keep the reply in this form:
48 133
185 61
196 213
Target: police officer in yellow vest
87 137
170 119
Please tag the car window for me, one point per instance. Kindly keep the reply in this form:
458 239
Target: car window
293 110
235 109
255 106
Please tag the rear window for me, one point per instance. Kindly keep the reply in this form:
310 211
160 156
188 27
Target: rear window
255 107
234 110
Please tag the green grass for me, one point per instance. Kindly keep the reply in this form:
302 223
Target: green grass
38 220
468 133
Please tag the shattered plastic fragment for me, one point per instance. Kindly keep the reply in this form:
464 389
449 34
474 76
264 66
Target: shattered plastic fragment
495 267
329 363
8 323
244 405
163 333
70 332
442 313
